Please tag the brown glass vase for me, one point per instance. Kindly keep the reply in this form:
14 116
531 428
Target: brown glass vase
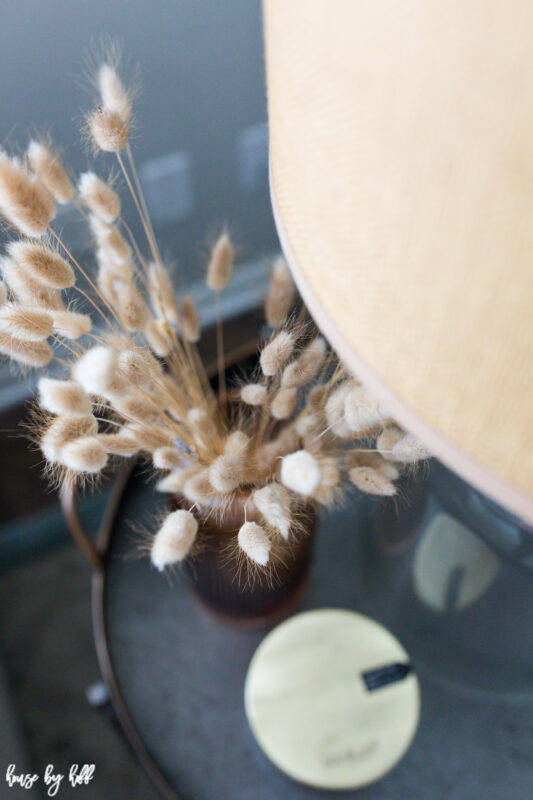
227 584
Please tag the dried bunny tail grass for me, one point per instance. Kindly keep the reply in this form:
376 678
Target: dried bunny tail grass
253 394
329 490
66 398
227 472
96 370
99 197
157 338
113 94
29 324
24 201
167 458
42 263
254 542
31 354
113 244
220 267
198 488
367 458
174 539
108 130
63 430
71 324
280 297
237 444
370 481
119 444
361 411
334 410
190 320
139 367
27 290
85 454
306 366
307 424
409 449
161 293
389 437
276 353
174 482
50 171
284 403
273 502
150 438
131 306
111 268
203 426
300 472
138 409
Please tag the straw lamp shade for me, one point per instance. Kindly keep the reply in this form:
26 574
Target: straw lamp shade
401 158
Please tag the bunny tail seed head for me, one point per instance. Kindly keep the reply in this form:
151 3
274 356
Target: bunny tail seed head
24 201
31 354
26 289
220 267
29 324
167 458
42 263
300 472
86 454
362 458
370 481
276 353
274 504
409 450
96 370
284 403
119 444
361 411
138 366
305 367
113 94
174 482
63 430
157 338
174 539
109 131
161 293
255 543
190 320
236 444
253 394
71 324
334 409
99 197
280 297
226 472
66 398
50 172
389 437
198 488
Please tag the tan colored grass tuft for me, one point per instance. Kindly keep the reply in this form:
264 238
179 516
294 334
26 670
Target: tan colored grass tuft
24 201
50 171
281 293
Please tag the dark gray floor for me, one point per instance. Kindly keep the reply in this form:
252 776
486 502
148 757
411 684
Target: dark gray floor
48 653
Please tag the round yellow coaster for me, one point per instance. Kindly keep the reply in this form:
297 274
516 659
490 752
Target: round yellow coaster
331 698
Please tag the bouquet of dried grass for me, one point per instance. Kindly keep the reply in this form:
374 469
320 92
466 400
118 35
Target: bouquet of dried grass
130 382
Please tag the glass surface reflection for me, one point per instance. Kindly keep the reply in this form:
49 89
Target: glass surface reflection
451 573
